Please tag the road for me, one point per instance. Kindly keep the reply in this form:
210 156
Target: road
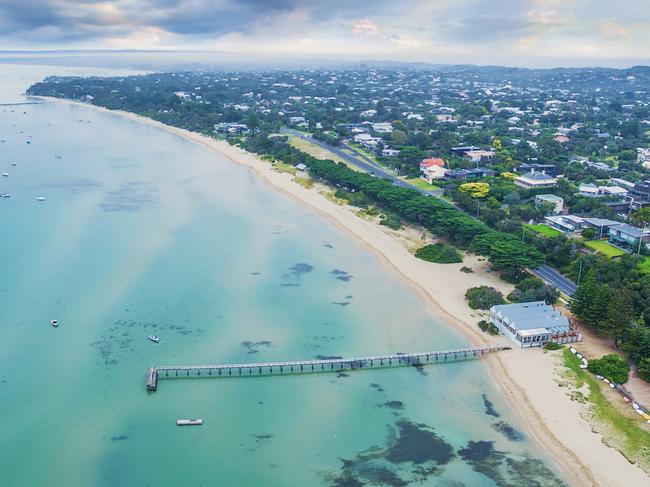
554 278
544 272
362 162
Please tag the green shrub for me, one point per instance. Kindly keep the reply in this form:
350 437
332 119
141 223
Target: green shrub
488 327
391 222
440 253
552 346
533 289
589 233
483 297
612 366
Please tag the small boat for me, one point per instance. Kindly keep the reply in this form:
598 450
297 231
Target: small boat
5 195
5 174
153 338
40 198
29 141
189 422
13 163
54 323
57 156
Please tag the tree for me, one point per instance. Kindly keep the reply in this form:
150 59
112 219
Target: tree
506 252
620 315
641 217
589 233
483 297
612 366
584 296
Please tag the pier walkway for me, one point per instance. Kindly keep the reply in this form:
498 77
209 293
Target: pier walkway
309 366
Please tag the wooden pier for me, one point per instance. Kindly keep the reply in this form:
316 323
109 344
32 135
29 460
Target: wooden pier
309 366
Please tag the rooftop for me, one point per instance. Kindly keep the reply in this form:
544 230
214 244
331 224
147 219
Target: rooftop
530 316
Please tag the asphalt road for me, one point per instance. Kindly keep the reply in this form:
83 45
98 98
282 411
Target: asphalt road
364 163
554 278
544 272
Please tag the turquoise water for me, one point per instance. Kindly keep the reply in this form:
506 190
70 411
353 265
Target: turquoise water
145 233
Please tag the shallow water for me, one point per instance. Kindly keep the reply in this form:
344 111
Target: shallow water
143 232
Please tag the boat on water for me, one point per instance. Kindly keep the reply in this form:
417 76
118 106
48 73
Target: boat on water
189 422
40 198
13 163
5 195
153 338
54 323
5 174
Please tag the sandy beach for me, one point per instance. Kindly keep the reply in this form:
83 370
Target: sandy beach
529 379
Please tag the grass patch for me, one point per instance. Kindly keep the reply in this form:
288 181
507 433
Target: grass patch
552 346
621 431
422 184
603 247
317 151
544 230
283 167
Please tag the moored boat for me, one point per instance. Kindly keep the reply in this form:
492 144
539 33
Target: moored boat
153 338
54 323
189 422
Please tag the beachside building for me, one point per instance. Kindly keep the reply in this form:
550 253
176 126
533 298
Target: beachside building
534 180
533 324
565 223
629 237
589 190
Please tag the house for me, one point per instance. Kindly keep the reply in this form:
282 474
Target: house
479 172
432 168
589 190
390 152
533 324
629 237
565 223
463 149
231 128
601 225
556 201
301 167
549 169
481 156
533 180
383 127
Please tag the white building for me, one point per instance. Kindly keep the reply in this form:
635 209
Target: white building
533 324
382 127
532 180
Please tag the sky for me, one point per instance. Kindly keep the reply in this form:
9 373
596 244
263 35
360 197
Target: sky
535 33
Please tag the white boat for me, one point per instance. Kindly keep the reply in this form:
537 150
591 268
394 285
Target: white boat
5 174
5 195
153 338
13 163
54 323
40 198
189 422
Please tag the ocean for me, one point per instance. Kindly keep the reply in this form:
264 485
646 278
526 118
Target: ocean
143 232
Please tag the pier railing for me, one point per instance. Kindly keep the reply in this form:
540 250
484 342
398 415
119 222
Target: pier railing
308 366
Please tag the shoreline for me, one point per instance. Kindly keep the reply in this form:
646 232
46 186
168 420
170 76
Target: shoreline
527 379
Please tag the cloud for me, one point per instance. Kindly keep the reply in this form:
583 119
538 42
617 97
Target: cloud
365 27
453 30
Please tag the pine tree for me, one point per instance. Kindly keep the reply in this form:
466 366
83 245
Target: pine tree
620 315
584 296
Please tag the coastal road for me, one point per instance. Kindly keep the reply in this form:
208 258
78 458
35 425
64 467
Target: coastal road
554 278
362 162
544 272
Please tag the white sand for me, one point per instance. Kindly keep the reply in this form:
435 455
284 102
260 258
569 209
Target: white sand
527 378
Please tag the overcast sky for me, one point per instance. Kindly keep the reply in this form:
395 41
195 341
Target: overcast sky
507 32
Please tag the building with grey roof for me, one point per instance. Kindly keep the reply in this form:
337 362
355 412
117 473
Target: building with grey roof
532 324
628 237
